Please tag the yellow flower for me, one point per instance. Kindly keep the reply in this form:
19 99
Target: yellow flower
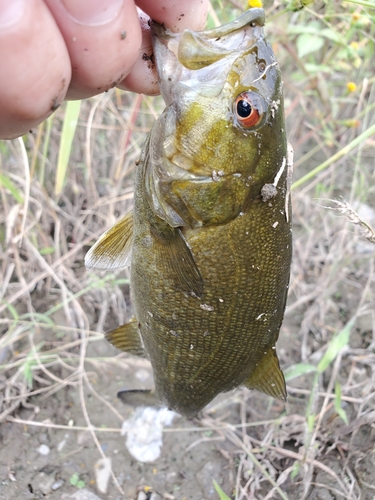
351 86
255 3
354 45
356 16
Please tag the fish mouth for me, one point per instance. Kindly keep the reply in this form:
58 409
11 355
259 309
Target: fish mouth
197 49
200 59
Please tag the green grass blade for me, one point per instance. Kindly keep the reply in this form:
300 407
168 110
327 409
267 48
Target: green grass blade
335 346
365 3
297 370
69 127
340 411
47 137
8 184
344 151
220 492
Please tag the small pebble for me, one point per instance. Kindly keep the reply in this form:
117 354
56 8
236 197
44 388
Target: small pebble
155 496
57 484
44 483
103 468
62 443
43 449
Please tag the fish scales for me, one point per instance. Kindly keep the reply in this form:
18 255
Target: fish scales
186 373
209 240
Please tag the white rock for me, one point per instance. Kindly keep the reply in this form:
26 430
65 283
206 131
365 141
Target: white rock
103 468
43 449
144 432
62 443
57 484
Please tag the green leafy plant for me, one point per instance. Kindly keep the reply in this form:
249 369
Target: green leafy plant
76 481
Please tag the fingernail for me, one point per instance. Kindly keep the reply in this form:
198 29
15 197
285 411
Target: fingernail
93 12
11 11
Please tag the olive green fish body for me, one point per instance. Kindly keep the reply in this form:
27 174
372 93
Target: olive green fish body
211 245
202 346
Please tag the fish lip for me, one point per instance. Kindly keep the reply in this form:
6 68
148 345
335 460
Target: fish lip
253 17
186 43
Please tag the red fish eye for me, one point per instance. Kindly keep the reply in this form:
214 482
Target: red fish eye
247 114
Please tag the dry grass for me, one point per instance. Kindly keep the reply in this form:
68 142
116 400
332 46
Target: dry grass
53 311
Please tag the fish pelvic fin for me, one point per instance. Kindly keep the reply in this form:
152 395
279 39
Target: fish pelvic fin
138 397
127 338
174 253
268 377
113 249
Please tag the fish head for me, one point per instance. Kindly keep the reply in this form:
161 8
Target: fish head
221 137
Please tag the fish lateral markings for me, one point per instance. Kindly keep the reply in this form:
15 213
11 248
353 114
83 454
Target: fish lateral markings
209 239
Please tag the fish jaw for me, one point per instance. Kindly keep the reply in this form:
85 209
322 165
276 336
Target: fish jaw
176 54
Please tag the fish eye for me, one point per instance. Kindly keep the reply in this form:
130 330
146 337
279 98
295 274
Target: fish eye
262 66
246 110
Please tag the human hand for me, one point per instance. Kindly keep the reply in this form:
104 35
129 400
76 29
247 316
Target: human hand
51 50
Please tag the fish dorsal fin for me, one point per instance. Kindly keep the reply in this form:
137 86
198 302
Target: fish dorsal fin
113 249
268 377
127 338
173 252
138 397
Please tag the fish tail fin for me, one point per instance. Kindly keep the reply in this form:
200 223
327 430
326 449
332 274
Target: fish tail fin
268 377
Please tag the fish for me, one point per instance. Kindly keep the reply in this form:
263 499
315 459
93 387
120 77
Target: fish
209 239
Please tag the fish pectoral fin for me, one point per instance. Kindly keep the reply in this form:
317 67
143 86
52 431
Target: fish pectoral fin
127 338
138 397
174 253
113 249
268 377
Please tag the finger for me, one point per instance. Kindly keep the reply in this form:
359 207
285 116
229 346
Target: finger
143 78
103 38
34 69
175 15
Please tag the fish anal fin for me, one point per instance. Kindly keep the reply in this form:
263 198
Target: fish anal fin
113 249
127 338
268 377
138 397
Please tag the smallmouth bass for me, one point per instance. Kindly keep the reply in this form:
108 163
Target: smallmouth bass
209 240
